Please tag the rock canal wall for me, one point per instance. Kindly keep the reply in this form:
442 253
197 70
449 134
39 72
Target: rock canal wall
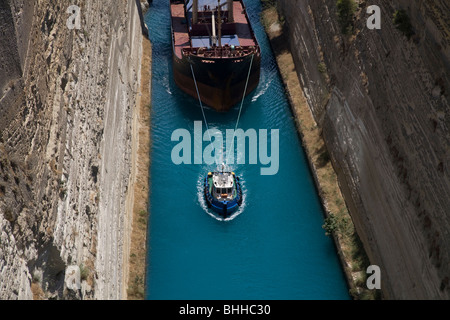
382 103
67 101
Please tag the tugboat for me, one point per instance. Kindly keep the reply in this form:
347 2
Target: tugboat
223 192
216 57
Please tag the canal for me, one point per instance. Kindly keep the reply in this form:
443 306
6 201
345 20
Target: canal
274 247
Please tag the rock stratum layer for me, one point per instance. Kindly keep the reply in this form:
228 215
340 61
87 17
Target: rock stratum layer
381 100
67 99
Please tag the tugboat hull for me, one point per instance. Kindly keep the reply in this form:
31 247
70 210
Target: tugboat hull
223 208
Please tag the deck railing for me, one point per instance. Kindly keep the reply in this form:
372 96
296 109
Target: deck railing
225 51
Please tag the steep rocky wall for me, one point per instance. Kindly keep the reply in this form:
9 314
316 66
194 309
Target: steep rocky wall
10 67
65 136
15 28
382 103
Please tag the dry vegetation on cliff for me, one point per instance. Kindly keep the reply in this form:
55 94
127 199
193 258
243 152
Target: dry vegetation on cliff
140 201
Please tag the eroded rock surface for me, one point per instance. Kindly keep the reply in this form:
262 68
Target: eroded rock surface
382 102
66 102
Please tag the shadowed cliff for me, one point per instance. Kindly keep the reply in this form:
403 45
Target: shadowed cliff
381 99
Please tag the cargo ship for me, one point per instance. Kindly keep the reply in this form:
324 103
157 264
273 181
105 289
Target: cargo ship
216 57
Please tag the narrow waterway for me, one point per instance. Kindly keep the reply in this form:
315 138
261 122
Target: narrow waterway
274 247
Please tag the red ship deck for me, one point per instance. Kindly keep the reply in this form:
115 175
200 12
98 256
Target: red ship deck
242 28
180 29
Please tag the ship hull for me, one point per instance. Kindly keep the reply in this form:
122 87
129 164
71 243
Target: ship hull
221 82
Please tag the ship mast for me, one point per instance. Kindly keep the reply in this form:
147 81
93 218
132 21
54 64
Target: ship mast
230 11
195 12
220 23
213 25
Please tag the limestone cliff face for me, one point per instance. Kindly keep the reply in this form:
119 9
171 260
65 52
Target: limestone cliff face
383 105
67 98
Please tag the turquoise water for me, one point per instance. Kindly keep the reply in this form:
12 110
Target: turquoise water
274 247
